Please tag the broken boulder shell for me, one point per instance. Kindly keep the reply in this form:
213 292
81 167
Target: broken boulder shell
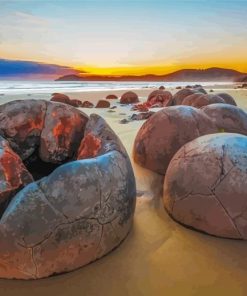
165 132
205 185
78 213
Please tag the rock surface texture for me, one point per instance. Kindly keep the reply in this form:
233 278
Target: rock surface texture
205 185
78 212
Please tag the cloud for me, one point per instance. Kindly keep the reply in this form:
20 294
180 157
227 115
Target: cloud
22 69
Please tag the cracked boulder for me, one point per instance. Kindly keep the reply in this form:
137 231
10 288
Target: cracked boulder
77 211
165 132
204 186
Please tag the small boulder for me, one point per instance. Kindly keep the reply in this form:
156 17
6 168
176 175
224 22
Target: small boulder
87 104
129 98
103 104
61 98
111 97
76 103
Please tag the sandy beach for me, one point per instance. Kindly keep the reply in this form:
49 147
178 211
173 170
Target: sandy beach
159 257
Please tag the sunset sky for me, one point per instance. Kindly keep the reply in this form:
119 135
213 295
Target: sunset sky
126 37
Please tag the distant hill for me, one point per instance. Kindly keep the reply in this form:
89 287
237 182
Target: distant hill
210 74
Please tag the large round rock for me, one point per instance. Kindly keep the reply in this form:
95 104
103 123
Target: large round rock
227 98
181 94
165 132
227 118
78 213
205 185
199 100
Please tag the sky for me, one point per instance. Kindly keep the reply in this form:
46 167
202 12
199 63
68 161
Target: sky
126 37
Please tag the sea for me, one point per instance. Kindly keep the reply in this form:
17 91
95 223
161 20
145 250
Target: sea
8 87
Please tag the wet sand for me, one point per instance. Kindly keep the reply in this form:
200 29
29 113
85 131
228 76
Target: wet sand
159 257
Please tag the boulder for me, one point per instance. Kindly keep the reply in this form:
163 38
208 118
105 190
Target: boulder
181 94
165 132
227 98
227 118
61 98
199 100
77 213
76 103
162 87
129 98
111 97
103 104
87 104
204 186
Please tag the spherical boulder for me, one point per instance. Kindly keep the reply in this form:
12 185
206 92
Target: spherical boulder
165 132
227 118
75 214
181 94
87 104
60 98
129 98
204 186
199 100
162 87
75 103
227 98
111 97
103 104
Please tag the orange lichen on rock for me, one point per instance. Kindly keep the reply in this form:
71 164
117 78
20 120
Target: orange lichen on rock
8 163
89 147
64 128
